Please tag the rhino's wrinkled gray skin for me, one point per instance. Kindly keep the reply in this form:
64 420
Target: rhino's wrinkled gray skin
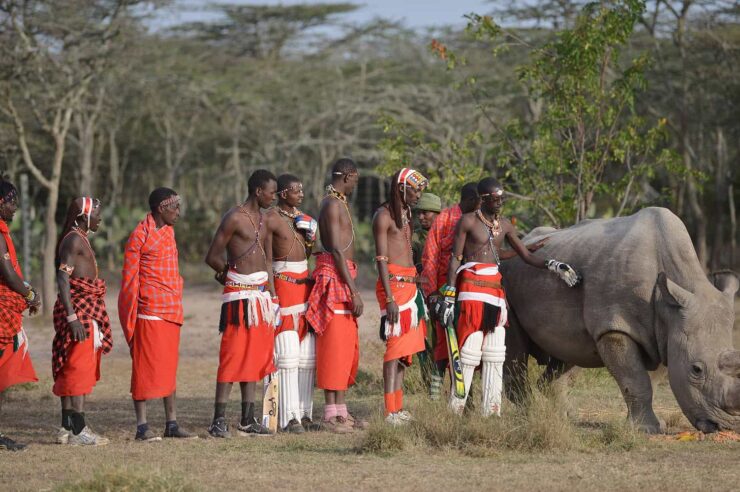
644 301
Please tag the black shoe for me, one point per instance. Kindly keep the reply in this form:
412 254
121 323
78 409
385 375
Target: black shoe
294 427
254 428
309 425
179 433
10 445
147 436
219 428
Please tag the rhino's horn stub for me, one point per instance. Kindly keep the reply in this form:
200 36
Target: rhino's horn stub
675 294
726 281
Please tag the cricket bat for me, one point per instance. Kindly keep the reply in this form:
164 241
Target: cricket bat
453 353
270 403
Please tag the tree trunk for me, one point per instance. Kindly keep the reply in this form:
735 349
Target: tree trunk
50 225
720 185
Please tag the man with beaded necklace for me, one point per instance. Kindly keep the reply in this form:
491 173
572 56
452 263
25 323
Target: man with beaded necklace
335 302
402 308
474 294
293 235
250 309
81 321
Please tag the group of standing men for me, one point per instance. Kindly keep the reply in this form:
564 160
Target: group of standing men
275 316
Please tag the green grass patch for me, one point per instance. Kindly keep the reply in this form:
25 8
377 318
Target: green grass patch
126 481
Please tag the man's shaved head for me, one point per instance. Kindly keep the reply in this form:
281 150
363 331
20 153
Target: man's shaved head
343 167
469 199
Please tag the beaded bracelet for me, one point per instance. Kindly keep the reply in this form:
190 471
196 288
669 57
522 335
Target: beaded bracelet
71 318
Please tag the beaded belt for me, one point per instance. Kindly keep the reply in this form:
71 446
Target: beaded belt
237 285
297 281
482 283
404 278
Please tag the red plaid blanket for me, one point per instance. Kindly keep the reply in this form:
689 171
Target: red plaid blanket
88 300
329 289
12 304
151 283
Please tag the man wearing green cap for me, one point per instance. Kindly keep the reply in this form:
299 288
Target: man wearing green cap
427 210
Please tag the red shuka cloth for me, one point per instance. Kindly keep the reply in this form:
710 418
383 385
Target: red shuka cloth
12 304
289 295
337 352
411 338
154 352
328 290
88 301
477 315
246 353
151 284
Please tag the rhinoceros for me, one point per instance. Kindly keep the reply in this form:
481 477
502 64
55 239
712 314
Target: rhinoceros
644 301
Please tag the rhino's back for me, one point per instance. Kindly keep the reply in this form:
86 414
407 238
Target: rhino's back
620 260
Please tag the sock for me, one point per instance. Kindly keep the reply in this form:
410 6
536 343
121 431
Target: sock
330 411
398 394
342 410
78 422
67 419
171 425
247 412
390 403
141 429
220 411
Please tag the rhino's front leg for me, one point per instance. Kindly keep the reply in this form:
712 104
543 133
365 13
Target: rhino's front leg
623 358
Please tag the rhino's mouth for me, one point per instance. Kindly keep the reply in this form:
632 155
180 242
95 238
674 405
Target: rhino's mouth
706 426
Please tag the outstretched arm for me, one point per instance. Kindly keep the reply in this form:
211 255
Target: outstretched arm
566 272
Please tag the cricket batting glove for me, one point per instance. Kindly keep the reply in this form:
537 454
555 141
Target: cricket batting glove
566 272
444 309
308 225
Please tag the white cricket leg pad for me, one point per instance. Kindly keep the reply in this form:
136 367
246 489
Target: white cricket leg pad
494 355
307 374
287 355
470 357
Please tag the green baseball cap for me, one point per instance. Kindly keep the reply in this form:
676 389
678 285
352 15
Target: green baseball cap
429 202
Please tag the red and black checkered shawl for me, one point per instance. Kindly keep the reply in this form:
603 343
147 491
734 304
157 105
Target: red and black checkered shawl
88 300
12 304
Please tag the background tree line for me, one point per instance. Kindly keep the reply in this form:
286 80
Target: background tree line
96 100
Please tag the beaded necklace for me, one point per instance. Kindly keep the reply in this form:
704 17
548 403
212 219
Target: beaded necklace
332 192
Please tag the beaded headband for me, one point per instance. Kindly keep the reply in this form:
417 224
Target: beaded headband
293 187
88 205
9 196
412 178
171 200
496 192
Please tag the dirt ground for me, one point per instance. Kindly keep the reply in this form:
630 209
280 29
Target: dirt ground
320 460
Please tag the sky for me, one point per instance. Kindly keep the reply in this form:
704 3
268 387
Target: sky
416 14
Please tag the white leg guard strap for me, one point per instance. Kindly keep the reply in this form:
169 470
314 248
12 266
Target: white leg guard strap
470 357
287 355
494 354
307 374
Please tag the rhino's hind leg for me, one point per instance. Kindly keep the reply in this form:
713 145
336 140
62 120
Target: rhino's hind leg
623 358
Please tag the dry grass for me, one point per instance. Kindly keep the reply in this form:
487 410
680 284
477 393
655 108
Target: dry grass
120 480
535 447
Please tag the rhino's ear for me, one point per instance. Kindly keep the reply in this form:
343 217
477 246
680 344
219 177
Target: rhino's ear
675 295
726 281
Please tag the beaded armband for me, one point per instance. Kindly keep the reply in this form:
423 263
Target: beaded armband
68 269
381 258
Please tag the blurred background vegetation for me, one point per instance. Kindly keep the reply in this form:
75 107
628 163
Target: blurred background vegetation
582 109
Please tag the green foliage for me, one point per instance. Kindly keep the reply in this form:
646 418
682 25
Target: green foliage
585 145
404 147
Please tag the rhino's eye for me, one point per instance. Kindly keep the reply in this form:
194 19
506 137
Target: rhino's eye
697 370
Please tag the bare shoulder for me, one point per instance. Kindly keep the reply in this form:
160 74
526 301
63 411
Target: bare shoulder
71 243
381 215
507 225
467 220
